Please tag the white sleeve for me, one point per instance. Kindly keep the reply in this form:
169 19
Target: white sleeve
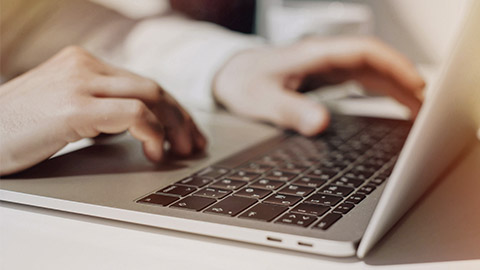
183 55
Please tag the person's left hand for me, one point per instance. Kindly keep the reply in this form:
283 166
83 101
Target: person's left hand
264 83
74 95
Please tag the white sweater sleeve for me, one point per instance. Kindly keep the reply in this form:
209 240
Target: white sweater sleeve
183 55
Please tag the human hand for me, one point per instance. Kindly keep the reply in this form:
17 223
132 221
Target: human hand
73 96
264 83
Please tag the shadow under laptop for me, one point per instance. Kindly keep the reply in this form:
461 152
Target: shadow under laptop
123 155
443 226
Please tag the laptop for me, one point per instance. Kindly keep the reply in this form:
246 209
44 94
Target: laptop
335 194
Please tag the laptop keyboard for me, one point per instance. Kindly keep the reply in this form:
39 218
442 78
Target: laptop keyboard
306 182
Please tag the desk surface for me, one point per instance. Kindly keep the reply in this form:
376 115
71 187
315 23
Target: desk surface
442 231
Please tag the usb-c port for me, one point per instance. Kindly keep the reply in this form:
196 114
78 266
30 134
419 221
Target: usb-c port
274 239
304 244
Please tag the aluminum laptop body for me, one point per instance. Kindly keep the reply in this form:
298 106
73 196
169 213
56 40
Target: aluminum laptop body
111 180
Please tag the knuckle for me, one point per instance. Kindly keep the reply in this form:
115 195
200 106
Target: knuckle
77 57
155 88
74 51
138 109
151 84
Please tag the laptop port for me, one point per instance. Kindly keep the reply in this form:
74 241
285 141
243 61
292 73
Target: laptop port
269 238
303 244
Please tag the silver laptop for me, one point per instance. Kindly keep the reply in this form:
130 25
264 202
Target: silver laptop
335 194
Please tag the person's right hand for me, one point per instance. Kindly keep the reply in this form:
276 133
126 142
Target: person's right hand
74 96
266 83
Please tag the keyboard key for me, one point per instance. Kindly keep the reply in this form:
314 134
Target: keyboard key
355 198
193 203
309 181
293 168
311 209
344 208
296 190
388 171
377 181
213 172
328 200
361 174
159 199
348 182
373 162
264 212
231 206
367 189
358 176
210 192
336 190
304 161
287 200
256 168
229 184
296 219
194 181
280 176
269 160
243 176
327 221
177 190
336 165
268 184
250 192
323 174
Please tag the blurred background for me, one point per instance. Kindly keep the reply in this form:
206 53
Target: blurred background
421 29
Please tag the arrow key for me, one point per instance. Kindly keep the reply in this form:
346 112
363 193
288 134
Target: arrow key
296 219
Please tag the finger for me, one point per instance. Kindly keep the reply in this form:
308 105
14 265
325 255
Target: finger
388 61
200 142
111 115
288 109
127 86
371 80
320 55
177 129
380 84
182 133
170 113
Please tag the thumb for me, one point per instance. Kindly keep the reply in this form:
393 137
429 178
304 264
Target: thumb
294 110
